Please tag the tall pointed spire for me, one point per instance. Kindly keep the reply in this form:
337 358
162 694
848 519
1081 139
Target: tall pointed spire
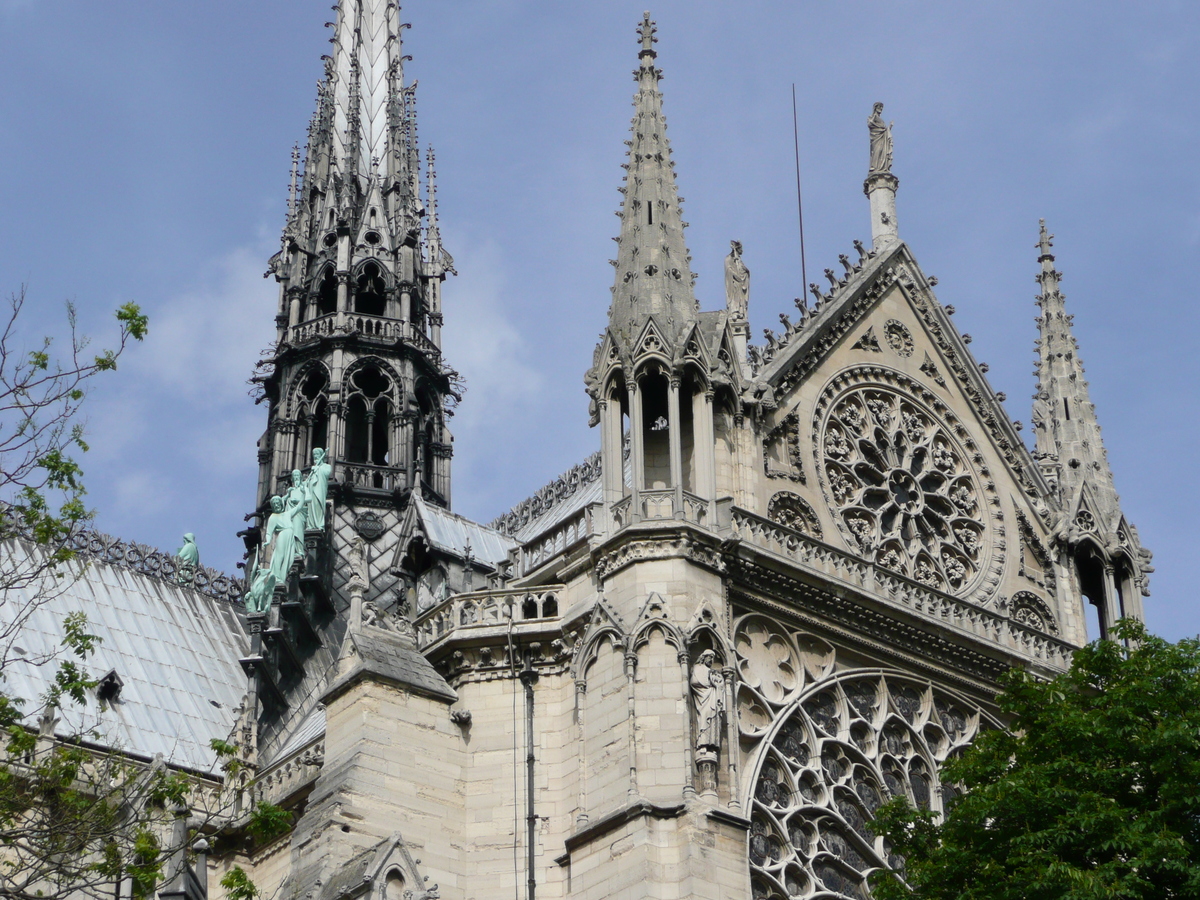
1069 444
653 267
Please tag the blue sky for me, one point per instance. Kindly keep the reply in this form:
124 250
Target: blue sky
144 151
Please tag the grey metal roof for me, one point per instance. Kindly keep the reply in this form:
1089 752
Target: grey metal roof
451 533
175 649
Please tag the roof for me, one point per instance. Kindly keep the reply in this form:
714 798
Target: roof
175 650
453 534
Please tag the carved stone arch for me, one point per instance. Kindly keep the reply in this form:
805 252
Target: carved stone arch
604 625
297 382
656 614
380 873
360 265
793 511
830 759
1027 608
322 299
384 366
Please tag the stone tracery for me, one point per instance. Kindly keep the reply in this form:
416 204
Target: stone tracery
903 489
845 748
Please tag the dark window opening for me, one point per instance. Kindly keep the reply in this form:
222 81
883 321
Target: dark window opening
1091 585
529 609
549 608
1067 408
327 294
370 298
656 437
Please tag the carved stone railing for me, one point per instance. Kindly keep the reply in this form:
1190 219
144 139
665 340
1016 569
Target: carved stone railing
562 537
378 328
621 513
368 477
484 610
147 560
859 574
321 326
286 776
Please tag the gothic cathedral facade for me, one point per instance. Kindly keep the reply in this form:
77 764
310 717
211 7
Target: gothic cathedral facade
782 591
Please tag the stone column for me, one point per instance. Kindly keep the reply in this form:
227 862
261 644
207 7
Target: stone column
880 188
675 442
1112 601
638 451
611 464
703 442
581 817
689 735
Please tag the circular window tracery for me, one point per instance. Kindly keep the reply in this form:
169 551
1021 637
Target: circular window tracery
902 487
845 750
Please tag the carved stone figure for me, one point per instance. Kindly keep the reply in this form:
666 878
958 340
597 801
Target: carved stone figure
881 141
317 487
281 533
707 685
737 283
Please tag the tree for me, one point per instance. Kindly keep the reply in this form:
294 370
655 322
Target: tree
1093 792
71 817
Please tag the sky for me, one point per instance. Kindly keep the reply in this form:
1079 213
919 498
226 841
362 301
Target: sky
144 153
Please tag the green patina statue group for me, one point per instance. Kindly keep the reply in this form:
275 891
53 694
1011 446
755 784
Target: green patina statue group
300 509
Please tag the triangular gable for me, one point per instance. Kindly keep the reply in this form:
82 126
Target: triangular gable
848 319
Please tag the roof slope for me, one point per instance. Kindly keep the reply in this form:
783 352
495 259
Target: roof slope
175 650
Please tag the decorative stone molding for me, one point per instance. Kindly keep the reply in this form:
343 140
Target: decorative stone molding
786 432
669 546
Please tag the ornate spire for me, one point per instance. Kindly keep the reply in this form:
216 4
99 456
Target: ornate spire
1069 445
653 267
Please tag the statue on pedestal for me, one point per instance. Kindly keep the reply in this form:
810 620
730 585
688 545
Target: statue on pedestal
317 487
881 141
737 283
708 696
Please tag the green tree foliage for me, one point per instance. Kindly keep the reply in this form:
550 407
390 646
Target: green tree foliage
1094 792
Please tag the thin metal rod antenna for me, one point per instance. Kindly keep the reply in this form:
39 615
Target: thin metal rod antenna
799 200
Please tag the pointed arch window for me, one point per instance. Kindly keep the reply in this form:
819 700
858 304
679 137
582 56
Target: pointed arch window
326 296
370 407
370 292
312 416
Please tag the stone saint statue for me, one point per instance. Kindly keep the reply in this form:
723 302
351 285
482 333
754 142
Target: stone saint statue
318 490
881 141
707 694
737 283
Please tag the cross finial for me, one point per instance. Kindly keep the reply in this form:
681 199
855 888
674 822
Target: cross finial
1045 240
646 32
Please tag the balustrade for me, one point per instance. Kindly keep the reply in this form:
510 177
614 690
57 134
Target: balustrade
369 477
485 610
878 581
372 328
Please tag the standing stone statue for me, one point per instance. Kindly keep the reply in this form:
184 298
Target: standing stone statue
707 685
709 699
737 283
189 559
881 141
318 491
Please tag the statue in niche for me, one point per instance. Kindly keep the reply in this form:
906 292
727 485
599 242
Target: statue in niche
707 694
1041 412
317 487
737 283
881 141
189 559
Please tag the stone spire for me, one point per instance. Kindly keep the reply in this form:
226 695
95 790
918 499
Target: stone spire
362 138
653 267
1069 445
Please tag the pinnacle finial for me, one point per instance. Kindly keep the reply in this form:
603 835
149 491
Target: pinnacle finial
646 34
1045 242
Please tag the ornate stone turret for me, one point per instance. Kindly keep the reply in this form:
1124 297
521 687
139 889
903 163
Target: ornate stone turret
653 365
1110 562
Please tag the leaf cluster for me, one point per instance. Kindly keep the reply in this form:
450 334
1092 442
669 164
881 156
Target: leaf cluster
1093 792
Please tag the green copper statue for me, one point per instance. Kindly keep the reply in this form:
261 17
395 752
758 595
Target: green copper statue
318 490
189 559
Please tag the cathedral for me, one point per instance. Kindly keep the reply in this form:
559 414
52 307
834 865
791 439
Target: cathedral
781 592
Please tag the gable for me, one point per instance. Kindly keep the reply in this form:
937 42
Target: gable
885 425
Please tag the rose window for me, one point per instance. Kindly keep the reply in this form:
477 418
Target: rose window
902 489
846 749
